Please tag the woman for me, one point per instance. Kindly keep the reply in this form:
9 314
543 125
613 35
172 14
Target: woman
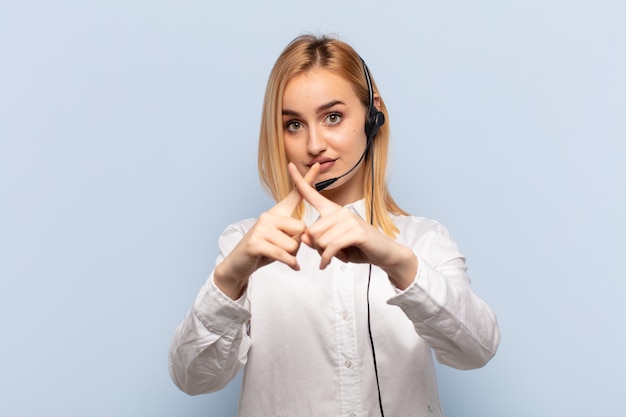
333 300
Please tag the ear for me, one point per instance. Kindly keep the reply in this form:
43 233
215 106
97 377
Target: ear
377 101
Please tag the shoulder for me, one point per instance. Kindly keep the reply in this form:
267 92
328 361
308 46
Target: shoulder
233 234
240 227
409 224
414 229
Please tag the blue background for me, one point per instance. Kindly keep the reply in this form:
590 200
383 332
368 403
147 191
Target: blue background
128 134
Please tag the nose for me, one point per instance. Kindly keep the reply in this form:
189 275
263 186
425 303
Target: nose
315 143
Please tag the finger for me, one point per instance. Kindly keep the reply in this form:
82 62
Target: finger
273 244
323 205
306 238
311 173
288 257
327 250
284 257
339 251
286 206
285 224
342 224
339 235
287 241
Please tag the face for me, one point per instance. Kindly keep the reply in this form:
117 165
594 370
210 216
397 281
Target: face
323 121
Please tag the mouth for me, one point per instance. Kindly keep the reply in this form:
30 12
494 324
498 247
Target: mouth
325 164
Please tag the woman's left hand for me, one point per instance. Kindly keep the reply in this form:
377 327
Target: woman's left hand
341 233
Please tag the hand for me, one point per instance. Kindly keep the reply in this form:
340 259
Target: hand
274 237
343 234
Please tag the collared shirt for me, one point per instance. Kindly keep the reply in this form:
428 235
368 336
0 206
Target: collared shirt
302 337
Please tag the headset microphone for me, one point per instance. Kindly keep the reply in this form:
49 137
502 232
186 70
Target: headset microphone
323 184
375 119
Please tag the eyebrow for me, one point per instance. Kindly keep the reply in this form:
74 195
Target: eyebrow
287 112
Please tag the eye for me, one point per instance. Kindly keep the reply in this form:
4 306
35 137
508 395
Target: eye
293 125
333 118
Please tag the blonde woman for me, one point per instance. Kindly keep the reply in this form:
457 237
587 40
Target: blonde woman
333 300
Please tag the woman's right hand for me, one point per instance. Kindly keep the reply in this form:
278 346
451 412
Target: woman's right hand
275 236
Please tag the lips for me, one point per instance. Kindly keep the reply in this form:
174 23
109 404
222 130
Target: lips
325 163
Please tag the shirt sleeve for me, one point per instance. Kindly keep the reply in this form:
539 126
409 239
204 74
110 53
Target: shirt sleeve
460 327
210 345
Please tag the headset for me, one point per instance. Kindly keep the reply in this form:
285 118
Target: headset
373 121
375 118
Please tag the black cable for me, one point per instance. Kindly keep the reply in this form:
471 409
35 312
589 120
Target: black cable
369 279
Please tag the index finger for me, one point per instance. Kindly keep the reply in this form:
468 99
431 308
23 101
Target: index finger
323 205
287 205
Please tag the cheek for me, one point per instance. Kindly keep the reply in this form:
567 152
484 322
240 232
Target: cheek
291 151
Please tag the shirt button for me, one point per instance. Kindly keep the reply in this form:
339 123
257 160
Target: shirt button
348 363
352 414
342 267
345 314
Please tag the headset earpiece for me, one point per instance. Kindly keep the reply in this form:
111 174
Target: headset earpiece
374 122
375 118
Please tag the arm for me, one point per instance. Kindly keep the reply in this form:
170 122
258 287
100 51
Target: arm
436 297
210 345
459 326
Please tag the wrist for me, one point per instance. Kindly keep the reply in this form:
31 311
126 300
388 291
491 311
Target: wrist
232 286
403 268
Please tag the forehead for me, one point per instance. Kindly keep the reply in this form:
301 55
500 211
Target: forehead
317 86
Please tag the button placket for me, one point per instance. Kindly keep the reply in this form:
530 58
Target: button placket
346 337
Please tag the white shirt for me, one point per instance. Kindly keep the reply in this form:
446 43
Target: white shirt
302 336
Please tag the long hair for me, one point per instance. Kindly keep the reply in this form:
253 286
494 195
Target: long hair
301 55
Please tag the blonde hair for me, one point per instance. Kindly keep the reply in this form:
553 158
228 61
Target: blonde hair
301 55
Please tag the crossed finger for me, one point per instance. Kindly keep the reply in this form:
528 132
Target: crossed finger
287 205
334 233
303 184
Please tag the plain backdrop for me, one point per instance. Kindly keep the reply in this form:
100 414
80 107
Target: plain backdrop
128 139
